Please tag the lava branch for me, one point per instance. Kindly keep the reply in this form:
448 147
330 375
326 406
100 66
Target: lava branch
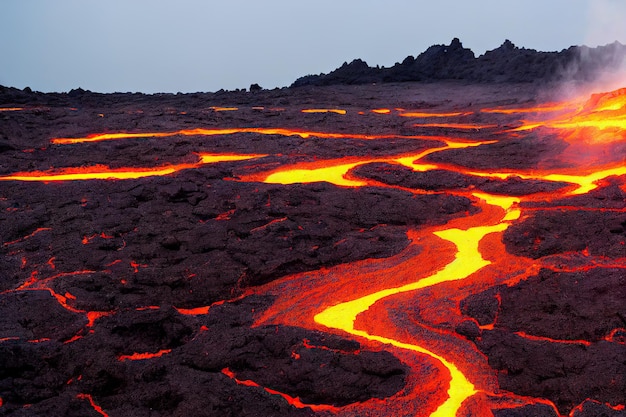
336 171
294 401
468 260
93 404
304 134
102 172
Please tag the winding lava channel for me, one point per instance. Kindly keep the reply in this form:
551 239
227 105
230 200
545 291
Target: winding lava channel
363 300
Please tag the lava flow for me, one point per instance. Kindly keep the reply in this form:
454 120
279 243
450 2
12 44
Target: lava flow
468 260
382 278
601 119
100 172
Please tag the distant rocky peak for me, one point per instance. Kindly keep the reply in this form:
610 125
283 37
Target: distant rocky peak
356 64
507 45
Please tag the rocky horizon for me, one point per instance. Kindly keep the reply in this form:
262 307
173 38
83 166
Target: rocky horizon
505 64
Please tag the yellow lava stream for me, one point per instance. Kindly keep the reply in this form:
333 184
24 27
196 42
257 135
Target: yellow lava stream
335 173
585 182
100 172
468 260
228 131
337 111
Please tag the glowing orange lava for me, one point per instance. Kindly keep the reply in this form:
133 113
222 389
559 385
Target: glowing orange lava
546 108
143 356
216 132
602 119
426 114
214 108
93 404
336 171
294 401
103 172
460 126
337 111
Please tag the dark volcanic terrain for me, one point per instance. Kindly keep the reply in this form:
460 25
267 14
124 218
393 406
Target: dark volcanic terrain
172 255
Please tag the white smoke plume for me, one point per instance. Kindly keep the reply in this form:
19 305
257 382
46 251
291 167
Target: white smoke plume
606 24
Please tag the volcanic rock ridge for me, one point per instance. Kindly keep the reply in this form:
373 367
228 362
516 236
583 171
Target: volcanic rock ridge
505 64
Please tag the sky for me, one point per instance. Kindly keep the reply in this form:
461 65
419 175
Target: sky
154 46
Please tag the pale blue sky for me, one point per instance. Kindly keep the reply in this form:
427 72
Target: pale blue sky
204 45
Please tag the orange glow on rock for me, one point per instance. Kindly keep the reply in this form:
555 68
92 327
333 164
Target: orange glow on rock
547 108
92 316
427 114
294 401
381 111
194 311
304 134
337 111
143 356
548 339
199 310
95 406
39 230
457 126
218 109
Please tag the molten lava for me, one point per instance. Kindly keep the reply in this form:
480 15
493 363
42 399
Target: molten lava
304 134
419 115
460 126
601 119
101 172
336 111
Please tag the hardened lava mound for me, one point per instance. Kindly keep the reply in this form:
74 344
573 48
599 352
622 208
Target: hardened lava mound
378 250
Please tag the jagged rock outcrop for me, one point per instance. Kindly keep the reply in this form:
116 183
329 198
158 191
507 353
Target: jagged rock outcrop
507 63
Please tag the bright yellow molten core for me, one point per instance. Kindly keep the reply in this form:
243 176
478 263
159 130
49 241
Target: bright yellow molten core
332 174
468 260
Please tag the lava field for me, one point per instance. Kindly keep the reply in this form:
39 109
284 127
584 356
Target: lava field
398 249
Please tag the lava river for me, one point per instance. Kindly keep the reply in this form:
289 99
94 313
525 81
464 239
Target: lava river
374 301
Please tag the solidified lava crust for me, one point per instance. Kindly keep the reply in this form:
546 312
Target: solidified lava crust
578 312
374 250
